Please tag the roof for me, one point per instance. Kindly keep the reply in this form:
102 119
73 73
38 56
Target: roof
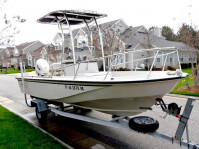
36 53
10 49
132 38
74 17
179 45
107 25
24 45
103 26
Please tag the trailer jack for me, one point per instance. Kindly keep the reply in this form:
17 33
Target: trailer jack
174 110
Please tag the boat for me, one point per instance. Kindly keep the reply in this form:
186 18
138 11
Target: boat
81 84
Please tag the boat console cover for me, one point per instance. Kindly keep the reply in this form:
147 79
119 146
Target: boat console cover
74 17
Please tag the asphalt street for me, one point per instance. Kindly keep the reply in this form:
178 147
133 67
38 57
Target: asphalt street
112 137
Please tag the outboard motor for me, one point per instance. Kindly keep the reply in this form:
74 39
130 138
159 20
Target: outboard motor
42 67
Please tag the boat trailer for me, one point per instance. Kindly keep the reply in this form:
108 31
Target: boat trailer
42 107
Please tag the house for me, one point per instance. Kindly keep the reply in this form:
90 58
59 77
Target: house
33 56
21 51
84 47
128 39
81 35
141 38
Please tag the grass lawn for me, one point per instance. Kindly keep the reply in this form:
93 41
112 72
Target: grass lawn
12 70
16 133
182 83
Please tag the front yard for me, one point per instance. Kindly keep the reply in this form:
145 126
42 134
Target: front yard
185 86
13 70
15 133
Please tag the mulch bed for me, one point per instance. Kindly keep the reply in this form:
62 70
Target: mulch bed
192 89
190 75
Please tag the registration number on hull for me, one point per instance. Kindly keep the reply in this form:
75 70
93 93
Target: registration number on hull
74 87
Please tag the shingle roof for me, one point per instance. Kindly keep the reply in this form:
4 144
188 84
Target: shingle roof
37 53
165 43
132 37
102 26
24 45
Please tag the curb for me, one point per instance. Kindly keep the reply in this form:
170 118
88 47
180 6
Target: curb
182 96
16 113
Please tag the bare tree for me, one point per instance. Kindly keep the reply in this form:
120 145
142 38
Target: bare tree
190 37
52 55
8 28
112 44
6 60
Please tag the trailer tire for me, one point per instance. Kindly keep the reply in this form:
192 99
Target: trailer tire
41 116
143 124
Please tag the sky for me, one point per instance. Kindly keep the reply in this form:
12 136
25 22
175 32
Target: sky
149 13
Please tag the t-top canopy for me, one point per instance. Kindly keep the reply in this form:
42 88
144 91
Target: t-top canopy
74 17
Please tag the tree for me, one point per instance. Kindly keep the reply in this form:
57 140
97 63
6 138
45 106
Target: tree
8 28
52 55
111 44
190 36
168 33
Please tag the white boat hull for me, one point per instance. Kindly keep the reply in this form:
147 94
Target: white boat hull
123 98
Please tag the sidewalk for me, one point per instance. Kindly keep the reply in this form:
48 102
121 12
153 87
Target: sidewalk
54 129
32 73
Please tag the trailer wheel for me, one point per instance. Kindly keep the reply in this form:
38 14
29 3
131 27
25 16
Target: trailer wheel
41 116
143 124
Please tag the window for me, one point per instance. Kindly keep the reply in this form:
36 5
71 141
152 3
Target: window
121 60
171 60
190 59
164 57
58 45
158 60
8 53
82 41
181 55
79 59
30 61
16 52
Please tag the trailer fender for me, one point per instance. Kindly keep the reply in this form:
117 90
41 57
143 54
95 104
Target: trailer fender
40 104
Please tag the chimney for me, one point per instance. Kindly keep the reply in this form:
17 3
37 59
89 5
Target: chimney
157 31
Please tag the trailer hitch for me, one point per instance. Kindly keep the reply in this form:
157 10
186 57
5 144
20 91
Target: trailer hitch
172 109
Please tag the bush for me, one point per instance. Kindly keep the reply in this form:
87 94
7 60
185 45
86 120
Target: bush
170 68
29 67
123 69
148 68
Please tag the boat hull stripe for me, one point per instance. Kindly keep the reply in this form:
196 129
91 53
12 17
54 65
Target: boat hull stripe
89 83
